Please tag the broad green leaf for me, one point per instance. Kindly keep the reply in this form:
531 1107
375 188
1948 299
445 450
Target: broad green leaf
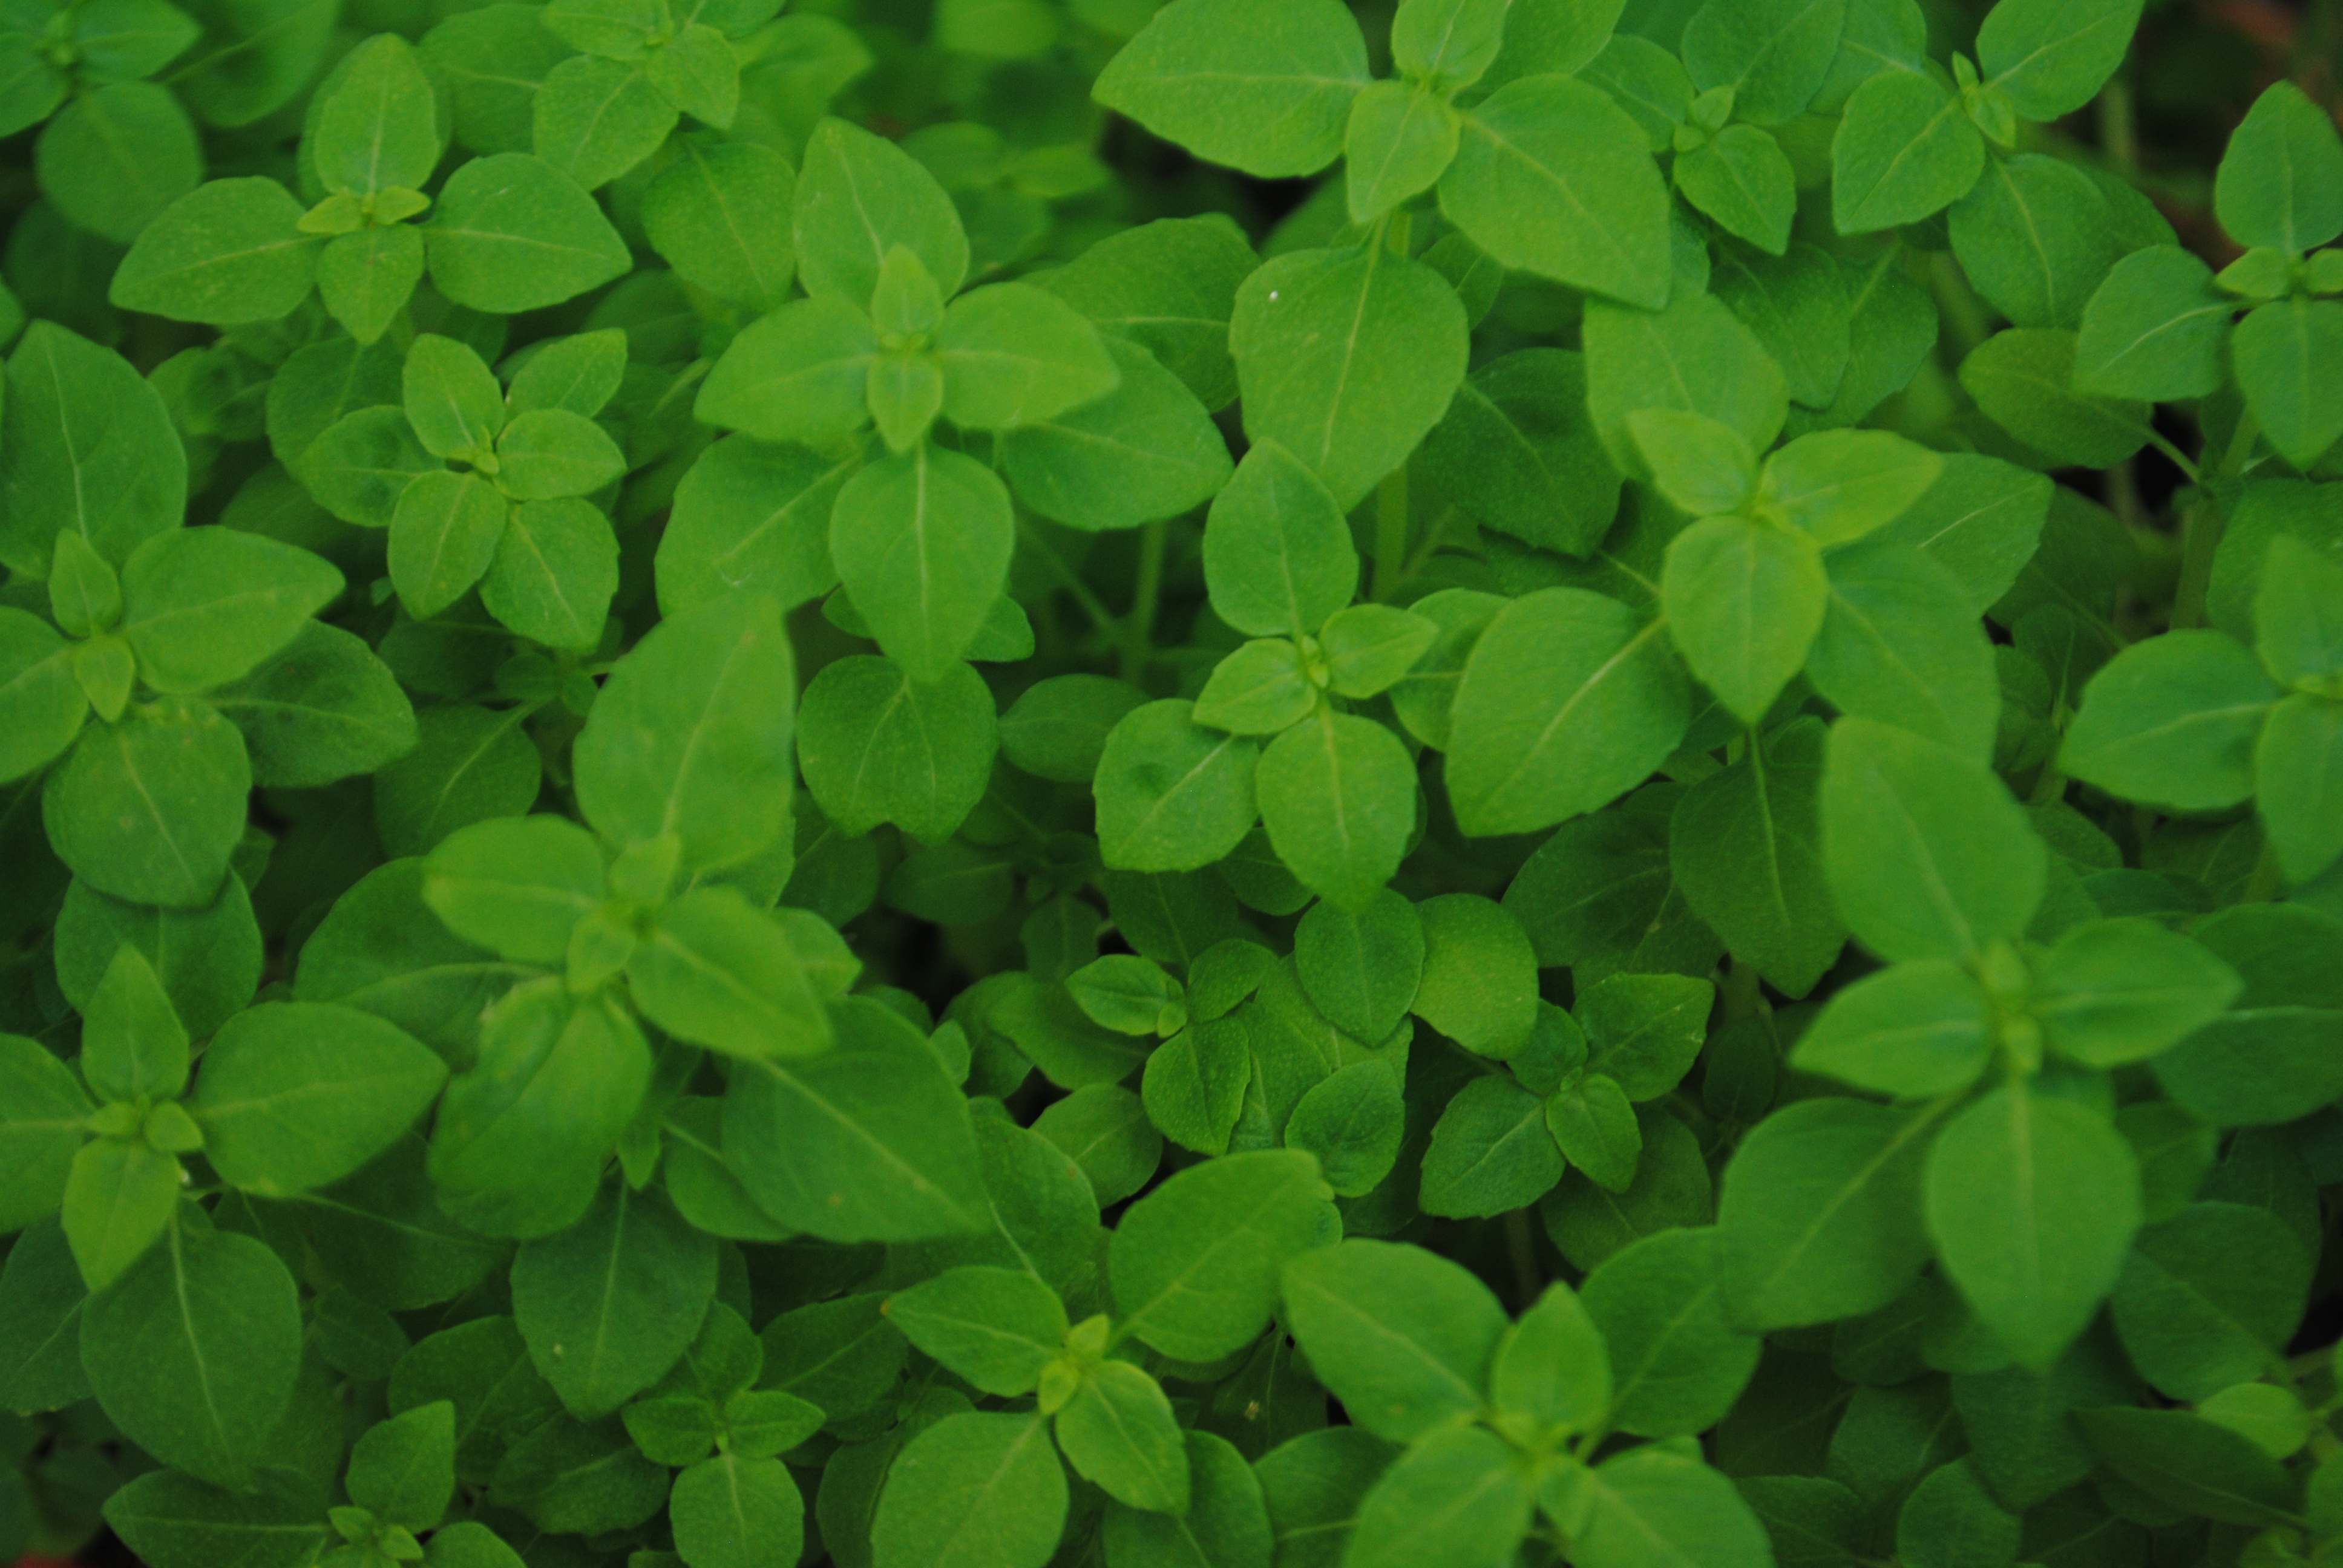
1480 974
719 214
797 374
1695 355
2294 790
513 233
596 119
1402 1336
608 1304
1015 355
116 156
87 446
298 1095
869 1142
359 467
2032 1202
2172 721
168 1517
1195 1263
1645 1031
1118 1432
879 747
1168 286
2154 329
1226 1522
2210 1298
193 1353
752 515
403 1470
1307 327
1595 1126
1172 797
976 1490
1337 794
1744 601
691 735
2117 992
201 607
1490 1152
365 279
150 810
119 1202
1278 557
1552 178
1819 1217
1144 452
2023 381
1899 644
1772 53
857 197
1518 452
1904 149
1565 703
1361 967
1677 1363
997 1328
1354 1121
733 1511
518 885
1459 1497
1399 140
2033 237
716 970
1745 846
1810 311
1743 179
377 128
551 454
1928 855
225 253
2263 1061
2050 57
1702 466
1262 688
1916 1029
1950 1517
42 1130
1265 92
42 704
922 541
1840 485
2281 354
1981 521
2280 183
443 538
2191 1463
1654 1506
1194 1085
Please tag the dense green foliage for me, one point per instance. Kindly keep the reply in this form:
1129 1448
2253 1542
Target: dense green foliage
767 794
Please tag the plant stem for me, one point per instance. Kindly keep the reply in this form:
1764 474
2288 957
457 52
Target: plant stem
2202 523
1391 532
1140 630
1069 579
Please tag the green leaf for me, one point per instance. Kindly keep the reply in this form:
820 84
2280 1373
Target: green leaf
1772 54
1354 1122
1402 1336
1950 1518
512 233
1172 797
1480 974
1745 846
1015 355
519 885
859 196
922 541
2154 329
691 735
1819 1217
225 253
2280 183
359 467
1743 179
733 1511
403 1470
2210 1298
2117 992
201 607
2172 721
149 810
2049 58
1743 603
1361 967
1490 1152
1262 688
1904 149
877 746
1655 1506
193 1352
869 1142
1981 521
87 446
1225 1523
1168 286
2023 381
718 971
1645 1031
41 702
1459 1497
2034 238
40 1130
1267 93
1840 485
1144 452
2281 353
1595 1128
2294 791
1702 466
797 374
1278 557
1552 1366
1922 1028
1552 178
118 1202
443 538
1928 855
134 1047
115 158
976 1490
298 1095
1309 324
1195 1263
1119 1433
1899 644
1399 140
1565 703
168 1517
596 119
751 516
1677 1363
608 1304
378 128
554 573
1695 355
365 278
1338 797
2192 1464
997 1328
1518 452
551 453
1194 1085
2032 1202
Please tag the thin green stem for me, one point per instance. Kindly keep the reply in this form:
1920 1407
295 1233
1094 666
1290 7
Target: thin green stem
1140 630
1391 532
1101 618
2201 523
2181 459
